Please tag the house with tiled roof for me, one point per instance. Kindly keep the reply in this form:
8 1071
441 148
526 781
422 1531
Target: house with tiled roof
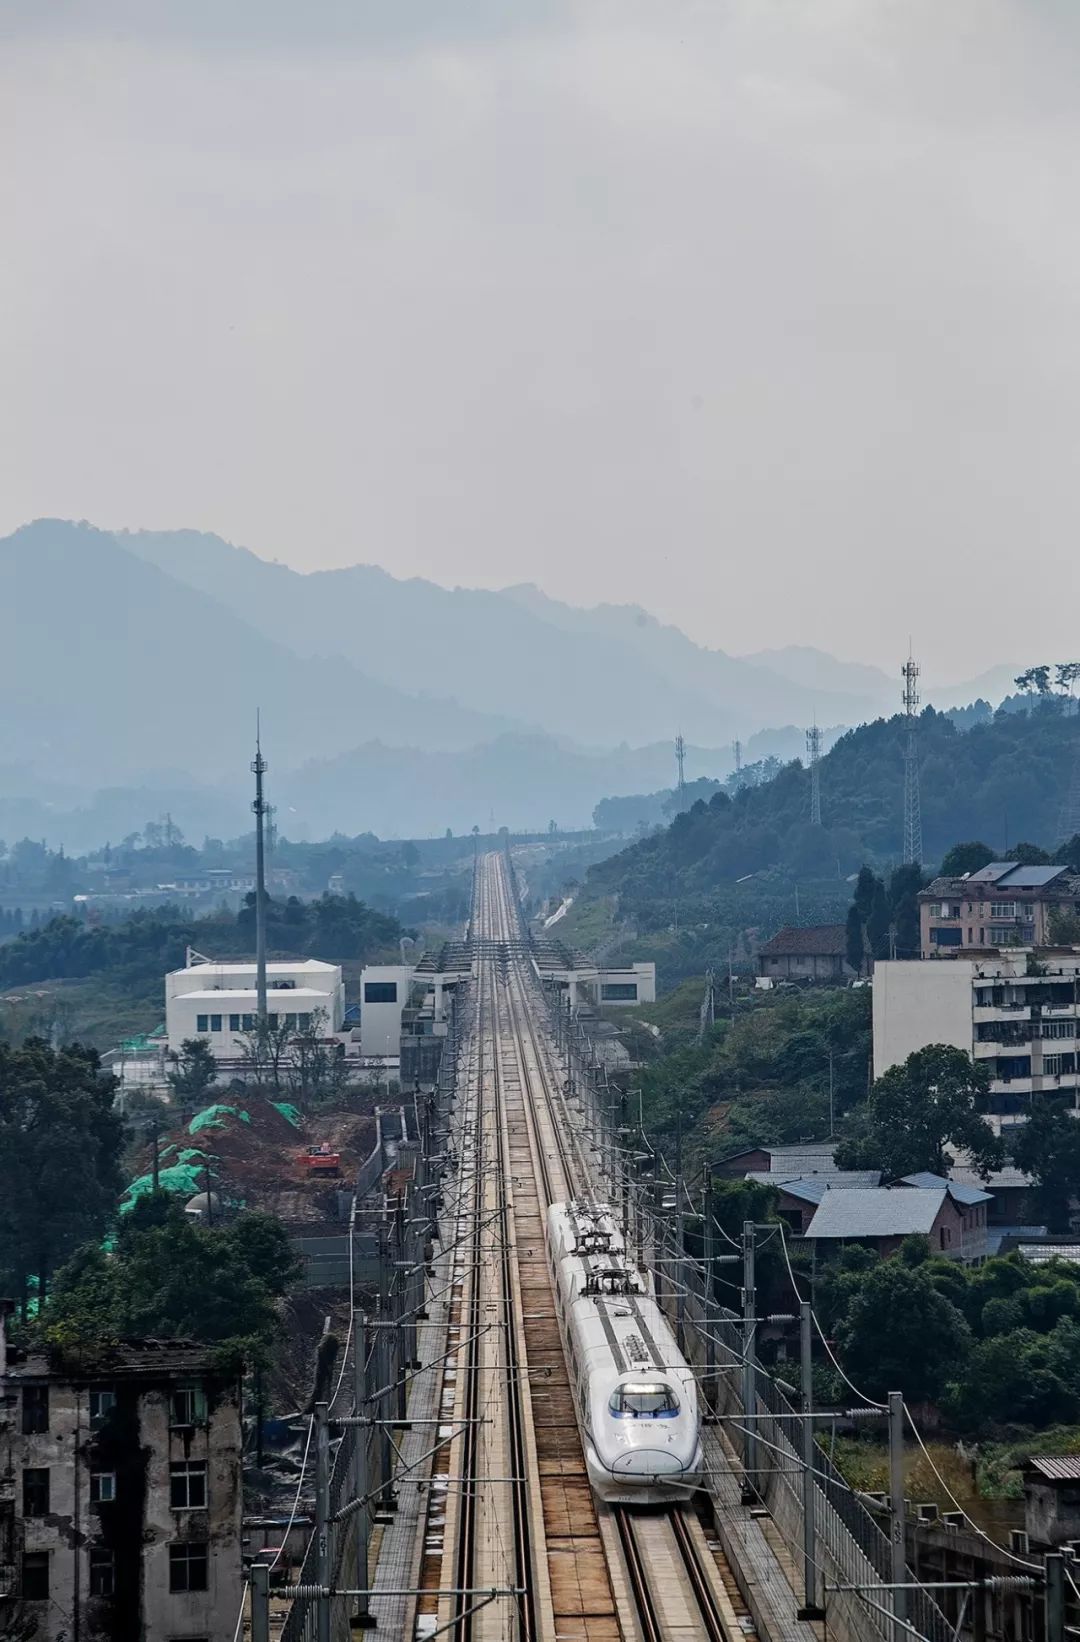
816 953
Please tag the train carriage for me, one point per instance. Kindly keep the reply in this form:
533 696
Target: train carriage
635 1395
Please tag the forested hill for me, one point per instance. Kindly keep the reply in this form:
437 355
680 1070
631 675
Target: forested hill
1002 781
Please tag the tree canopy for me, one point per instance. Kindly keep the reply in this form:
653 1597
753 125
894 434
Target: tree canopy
60 1143
918 1109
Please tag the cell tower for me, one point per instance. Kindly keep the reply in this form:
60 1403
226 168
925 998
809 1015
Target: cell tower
680 759
912 808
736 747
813 760
260 807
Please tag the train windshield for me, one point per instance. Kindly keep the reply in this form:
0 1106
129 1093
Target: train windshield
644 1400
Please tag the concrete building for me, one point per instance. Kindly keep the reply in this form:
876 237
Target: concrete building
1018 1011
120 1496
1052 1498
384 993
217 1001
883 1216
585 981
1003 904
818 953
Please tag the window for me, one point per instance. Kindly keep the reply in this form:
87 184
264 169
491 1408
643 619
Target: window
215 1023
643 1400
102 1403
249 1023
1055 1065
1003 909
188 1566
35 1410
102 1487
380 992
234 1023
102 1571
619 992
35 1576
1058 1029
303 1021
35 1491
945 937
187 1405
202 1024
187 1485
1002 934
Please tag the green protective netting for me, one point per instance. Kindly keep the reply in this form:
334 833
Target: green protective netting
214 1118
183 1178
289 1112
190 1152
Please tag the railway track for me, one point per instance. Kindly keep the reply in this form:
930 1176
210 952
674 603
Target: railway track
527 1518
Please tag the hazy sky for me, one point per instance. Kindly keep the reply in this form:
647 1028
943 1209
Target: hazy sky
763 313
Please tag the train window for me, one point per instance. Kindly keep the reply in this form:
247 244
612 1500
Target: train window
644 1400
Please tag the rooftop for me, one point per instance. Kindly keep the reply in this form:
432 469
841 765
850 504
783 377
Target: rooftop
812 1188
1000 875
816 941
150 1357
1056 1467
958 1190
280 966
876 1212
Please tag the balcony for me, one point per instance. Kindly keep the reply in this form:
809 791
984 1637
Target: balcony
987 1014
991 1048
1011 1086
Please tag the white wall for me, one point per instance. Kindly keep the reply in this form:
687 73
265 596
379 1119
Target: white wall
380 1023
916 1003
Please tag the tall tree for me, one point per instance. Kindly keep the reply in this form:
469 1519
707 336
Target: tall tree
904 886
854 939
901 1334
879 922
1047 1146
60 1143
194 1069
920 1108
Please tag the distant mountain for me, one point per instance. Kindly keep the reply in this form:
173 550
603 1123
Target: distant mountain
111 670
600 676
815 670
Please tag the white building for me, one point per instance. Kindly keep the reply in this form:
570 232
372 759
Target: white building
1017 1010
384 992
217 1001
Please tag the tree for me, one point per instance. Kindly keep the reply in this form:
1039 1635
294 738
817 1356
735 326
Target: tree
878 923
854 939
194 1069
865 886
1047 1147
904 886
170 1278
965 858
1064 926
60 1143
917 1109
900 1334
1029 855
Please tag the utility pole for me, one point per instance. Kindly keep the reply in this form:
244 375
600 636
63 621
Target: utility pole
322 1520
749 1379
680 760
811 1608
680 1235
258 769
1055 1597
897 1523
362 1619
912 807
260 1602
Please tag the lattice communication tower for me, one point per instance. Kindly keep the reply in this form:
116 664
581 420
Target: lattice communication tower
912 805
813 759
680 759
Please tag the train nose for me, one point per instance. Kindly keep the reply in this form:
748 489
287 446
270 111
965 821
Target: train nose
647 1462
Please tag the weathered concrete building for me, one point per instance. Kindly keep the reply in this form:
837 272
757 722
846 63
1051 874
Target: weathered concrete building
120 1496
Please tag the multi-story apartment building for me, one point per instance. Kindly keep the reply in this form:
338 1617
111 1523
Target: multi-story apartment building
1003 904
120 1496
1019 1011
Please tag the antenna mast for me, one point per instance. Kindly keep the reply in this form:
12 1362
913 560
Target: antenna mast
260 807
680 759
912 807
813 759
736 747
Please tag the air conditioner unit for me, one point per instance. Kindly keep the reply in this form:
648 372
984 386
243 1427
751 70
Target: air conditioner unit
927 1510
952 1519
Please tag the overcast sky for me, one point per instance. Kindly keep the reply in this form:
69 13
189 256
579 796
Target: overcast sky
764 315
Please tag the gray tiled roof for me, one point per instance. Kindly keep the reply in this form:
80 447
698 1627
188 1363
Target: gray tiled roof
958 1190
876 1212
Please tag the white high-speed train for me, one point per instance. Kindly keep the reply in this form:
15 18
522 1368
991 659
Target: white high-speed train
635 1397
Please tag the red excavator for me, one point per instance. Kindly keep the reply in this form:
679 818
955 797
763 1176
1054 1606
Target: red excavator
321 1160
